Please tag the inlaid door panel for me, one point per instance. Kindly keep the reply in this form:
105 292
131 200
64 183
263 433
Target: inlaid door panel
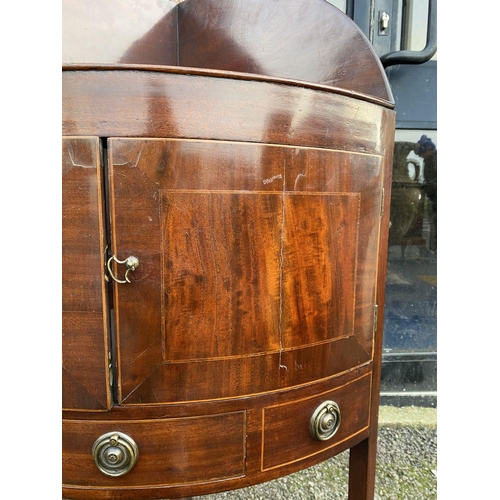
84 308
319 287
320 171
221 281
255 260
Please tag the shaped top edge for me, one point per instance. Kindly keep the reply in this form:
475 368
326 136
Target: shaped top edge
308 41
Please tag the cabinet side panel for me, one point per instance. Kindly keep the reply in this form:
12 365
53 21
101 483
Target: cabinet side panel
84 344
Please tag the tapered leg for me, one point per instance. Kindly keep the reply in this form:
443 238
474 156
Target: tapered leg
362 460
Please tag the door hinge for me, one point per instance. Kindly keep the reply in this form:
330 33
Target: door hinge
375 318
382 202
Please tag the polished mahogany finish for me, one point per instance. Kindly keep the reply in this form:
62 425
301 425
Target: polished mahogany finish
288 38
84 317
153 101
257 207
309 41
234 296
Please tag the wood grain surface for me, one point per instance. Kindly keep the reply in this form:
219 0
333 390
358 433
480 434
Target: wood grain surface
136 101
187 455
239 150
84 305
303 40
241 268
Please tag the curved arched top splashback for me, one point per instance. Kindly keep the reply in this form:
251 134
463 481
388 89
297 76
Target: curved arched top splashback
304 41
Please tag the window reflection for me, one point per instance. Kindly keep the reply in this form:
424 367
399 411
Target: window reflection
411 294
410 322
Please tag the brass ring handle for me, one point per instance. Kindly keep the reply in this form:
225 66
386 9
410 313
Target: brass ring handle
325 421
115 453
131 263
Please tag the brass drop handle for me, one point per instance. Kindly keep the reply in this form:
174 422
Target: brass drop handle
115 453
131 263
325 421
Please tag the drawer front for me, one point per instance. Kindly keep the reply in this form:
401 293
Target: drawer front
286 435
173 451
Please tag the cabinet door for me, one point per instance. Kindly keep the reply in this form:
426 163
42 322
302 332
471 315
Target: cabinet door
257 266
84 317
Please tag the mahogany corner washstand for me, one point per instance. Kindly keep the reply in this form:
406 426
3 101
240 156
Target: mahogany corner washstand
226 188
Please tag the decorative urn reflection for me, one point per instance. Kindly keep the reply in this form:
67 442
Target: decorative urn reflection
407 197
